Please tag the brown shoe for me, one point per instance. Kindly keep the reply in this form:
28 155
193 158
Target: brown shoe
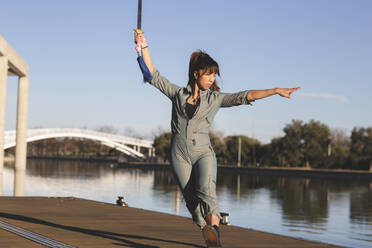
211 236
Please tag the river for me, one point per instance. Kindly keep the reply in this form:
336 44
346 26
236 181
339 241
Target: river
336 211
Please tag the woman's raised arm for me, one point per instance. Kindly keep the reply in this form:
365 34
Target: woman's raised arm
140 38
155 79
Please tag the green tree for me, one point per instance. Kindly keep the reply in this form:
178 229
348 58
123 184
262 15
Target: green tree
316 138
162 145
361 148
272 154
302 144
339 150
249 148
218 147
292 144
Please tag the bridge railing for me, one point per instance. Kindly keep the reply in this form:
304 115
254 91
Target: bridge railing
106 138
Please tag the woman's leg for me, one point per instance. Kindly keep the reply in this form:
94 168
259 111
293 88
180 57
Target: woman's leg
212 220
206 177
186 180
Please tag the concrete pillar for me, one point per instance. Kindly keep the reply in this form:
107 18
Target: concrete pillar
3 77
21 145
239 150
177 200
238 188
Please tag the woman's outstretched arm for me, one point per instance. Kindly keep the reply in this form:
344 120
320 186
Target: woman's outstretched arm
144 50
259 94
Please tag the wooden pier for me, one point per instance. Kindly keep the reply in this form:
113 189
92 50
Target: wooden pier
84 223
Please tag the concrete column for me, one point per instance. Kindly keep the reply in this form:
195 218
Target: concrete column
3 77
238 188
177 200
21 145
239 150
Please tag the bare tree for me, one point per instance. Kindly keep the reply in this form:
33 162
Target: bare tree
340 137
157 132
131 132
107 129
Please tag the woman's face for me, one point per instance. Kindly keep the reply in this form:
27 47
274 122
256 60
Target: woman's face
206 80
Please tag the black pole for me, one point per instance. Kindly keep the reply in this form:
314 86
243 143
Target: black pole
139 14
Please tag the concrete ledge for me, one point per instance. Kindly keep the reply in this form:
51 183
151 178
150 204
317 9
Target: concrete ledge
16 64
298 172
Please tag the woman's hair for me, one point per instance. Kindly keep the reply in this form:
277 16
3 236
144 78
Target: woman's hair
202 63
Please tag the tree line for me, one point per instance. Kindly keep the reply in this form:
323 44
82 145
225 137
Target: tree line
312 144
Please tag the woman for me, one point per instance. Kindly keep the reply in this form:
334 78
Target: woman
193 109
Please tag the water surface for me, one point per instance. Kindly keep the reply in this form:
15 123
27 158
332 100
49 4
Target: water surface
337 211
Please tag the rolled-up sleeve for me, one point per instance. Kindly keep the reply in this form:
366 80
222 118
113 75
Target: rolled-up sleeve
234 99
163 84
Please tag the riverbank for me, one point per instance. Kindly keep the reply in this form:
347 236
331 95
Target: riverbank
276 171
85 223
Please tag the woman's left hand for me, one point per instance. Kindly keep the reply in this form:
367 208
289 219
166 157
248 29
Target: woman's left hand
286 92
140 38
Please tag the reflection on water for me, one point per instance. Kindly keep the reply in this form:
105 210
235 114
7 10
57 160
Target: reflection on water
337 211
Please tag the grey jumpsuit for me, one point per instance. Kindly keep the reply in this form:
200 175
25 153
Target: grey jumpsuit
192 156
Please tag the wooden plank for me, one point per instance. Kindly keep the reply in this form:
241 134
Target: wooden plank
35 237
8 239
85 223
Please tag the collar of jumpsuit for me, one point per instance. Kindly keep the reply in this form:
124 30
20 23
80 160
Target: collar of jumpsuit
194 124
201 92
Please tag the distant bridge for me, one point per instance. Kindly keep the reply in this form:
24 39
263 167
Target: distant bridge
126 145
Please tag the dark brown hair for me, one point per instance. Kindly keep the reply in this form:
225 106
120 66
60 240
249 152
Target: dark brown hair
202 63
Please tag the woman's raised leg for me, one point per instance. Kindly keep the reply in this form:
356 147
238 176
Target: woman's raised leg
185 176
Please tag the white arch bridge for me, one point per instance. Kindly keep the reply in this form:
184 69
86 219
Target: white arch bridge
127 145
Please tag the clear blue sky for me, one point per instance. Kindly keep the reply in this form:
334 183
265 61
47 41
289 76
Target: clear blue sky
83 69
